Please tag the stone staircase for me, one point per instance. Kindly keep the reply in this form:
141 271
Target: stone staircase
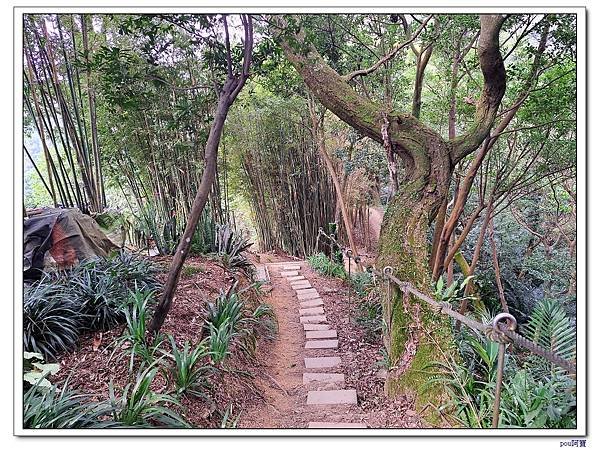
326 386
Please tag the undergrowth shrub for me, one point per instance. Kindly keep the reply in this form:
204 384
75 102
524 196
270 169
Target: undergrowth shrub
134 337
325 266
62 408
230 246
535 394
188 370
232 322
139 406
52 320
58 308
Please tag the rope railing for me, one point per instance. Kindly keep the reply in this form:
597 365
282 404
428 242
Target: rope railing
502 329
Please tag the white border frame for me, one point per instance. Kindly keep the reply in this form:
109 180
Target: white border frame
582 306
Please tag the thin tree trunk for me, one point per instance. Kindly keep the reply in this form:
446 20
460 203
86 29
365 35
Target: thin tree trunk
227 96
320 138
497 268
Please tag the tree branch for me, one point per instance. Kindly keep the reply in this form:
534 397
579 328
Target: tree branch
494 86
395 50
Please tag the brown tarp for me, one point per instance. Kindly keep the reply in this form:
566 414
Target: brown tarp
65 235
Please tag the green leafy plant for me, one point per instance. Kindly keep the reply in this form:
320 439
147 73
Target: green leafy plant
452 292
51 319
535 394
102 286
35 370
322 264
362 283
230 246
139 406
550 327
220 340
231 323
188 371
134 337
94 295
62 408
370 317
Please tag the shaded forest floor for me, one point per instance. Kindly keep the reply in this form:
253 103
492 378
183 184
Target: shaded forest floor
90 368
266 392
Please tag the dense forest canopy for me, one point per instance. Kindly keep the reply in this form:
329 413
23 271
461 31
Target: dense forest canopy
460 127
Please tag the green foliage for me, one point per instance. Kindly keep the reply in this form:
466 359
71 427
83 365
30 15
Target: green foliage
229 250
92 296
61 408
550 327
139 406
52 320
188 372
362 283
220 340
452 292
135 337
231 322
322 264
370 317
533 396
35 371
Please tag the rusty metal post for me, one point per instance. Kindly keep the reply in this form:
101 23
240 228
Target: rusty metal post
499 375
349 255
502 341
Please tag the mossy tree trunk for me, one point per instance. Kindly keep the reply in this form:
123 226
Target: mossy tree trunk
418 336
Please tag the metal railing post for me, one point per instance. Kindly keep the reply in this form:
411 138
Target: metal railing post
512 325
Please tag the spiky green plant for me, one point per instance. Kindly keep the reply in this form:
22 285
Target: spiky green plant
230 247
550 327
62 408
231 323
139 406
220 340
51 319
188 372
322 264
135 333
102 285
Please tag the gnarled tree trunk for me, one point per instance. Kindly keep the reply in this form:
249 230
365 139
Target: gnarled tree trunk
418 336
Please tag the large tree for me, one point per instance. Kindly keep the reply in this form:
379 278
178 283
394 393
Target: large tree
428 160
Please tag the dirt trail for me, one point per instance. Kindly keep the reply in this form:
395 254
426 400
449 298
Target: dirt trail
281 375
375 219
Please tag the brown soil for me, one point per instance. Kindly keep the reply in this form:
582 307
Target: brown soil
90 368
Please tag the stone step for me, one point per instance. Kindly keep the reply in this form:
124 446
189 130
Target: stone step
291 267
289 273
323 378
313 319
338 397
321 334
301 285
262 274
302 296
315 326
310 290
311 303
322 362
312 311
296 278
325 343
336 425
